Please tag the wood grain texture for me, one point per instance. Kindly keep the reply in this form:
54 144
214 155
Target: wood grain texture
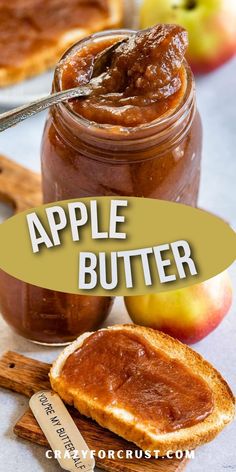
23 375
19 187
27 376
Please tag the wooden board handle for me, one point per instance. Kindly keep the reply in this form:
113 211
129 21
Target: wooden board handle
23 375
27 376
19 187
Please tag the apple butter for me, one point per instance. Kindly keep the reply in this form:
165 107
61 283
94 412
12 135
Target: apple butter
46 316
134 375
144 80
138 134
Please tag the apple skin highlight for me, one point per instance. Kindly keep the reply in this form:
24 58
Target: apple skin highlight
189 314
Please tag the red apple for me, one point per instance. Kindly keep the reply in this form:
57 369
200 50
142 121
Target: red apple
188 314
211 25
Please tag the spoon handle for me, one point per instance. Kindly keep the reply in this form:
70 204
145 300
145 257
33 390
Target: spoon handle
12 117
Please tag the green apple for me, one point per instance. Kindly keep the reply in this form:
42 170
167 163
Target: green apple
211 25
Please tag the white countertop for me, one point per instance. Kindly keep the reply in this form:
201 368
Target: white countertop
217 104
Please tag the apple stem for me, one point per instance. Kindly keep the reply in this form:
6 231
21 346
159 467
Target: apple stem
186 4
191 4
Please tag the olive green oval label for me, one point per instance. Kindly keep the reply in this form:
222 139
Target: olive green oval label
115 246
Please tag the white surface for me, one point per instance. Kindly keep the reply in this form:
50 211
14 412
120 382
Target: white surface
217 104
26 91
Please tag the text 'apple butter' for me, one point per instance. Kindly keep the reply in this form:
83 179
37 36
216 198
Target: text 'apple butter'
135 376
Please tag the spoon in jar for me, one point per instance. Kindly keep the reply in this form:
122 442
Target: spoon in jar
12 117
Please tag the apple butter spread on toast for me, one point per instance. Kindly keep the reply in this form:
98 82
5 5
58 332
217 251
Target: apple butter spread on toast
145 386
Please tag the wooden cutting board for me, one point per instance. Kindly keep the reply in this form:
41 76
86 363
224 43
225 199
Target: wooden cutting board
27 376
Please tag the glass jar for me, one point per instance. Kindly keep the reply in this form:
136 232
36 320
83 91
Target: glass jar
84 159
158 160
48 317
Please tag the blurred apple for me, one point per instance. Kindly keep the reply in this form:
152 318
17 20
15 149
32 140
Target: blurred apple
188 314
211 25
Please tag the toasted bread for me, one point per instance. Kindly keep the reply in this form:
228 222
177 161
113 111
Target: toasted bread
19 21
124 424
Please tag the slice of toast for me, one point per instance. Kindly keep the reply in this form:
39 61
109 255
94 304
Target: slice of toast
123 422
35 33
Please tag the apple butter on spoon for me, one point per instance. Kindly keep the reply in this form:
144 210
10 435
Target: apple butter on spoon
144 80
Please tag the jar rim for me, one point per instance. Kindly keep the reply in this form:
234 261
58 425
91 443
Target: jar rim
118 131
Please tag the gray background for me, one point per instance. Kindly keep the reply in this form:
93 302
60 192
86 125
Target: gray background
217 104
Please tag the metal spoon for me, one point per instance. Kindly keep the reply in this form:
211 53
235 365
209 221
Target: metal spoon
12 117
